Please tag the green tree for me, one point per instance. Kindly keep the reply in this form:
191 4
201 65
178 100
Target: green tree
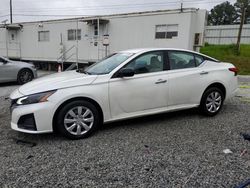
222 14
240 5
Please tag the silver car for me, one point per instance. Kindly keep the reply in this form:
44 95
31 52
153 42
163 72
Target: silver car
16 71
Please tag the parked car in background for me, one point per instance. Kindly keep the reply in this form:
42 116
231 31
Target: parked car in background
127 84
16 71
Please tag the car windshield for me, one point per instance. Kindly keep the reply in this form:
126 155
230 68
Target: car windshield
108 64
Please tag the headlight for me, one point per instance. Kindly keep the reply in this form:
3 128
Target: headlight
35 98
33 67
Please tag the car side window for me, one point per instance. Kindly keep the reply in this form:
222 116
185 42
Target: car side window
180 60
198 60
147 63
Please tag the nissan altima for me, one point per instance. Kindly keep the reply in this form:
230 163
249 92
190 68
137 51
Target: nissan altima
126 84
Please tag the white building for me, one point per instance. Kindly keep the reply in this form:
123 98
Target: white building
58 40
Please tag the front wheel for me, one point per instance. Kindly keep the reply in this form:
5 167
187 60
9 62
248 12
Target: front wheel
78 119
212 101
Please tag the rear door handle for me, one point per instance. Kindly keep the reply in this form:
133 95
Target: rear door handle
203 72
160 81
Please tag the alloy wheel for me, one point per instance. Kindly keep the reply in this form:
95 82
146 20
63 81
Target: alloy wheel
213 101
25 76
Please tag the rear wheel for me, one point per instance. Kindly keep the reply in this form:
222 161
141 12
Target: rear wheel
24 76
78 119
212 101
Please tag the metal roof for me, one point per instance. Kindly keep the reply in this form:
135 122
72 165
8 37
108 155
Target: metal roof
165 11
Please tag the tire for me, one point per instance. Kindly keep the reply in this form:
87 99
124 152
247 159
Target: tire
212 101
75 124
24 76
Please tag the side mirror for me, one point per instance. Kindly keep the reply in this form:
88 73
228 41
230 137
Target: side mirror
126 72
3 61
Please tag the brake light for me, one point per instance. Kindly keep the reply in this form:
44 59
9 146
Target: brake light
235 70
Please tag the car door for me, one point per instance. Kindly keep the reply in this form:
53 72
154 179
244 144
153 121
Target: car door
145 91
186 78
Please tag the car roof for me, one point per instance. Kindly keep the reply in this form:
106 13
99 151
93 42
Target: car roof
141 50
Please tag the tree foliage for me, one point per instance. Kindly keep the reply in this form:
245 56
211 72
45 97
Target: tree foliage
226 13
240 5
222 14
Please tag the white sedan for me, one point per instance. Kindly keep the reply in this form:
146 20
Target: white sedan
126 84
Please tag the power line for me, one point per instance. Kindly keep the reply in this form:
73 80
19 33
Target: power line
119 5
56 15
4 15
22 13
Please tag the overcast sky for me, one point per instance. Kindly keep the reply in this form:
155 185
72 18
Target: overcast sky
30 10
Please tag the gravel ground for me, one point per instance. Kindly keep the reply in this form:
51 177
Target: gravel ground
180 149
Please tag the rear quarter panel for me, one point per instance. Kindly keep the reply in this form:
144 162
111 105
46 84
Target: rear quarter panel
219 73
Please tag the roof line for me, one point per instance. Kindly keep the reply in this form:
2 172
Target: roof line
115 15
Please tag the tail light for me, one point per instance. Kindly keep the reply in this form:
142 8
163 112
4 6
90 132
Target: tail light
235 70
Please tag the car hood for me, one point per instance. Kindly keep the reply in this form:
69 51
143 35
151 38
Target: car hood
57 81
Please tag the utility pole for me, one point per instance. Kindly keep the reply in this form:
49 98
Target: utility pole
181 5
242 19
11 11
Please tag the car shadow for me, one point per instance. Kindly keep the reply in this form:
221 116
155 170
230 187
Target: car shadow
140 121
137 122
6 84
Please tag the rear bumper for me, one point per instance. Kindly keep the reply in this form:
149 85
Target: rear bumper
232 94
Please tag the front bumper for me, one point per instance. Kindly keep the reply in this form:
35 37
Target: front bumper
34 73
42 115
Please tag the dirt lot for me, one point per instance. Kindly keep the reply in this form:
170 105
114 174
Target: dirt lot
180 149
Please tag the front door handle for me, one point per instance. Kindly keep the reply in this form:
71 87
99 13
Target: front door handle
203 72
160 81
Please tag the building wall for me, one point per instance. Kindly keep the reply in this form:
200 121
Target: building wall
3 50
139 32
227 34
125 32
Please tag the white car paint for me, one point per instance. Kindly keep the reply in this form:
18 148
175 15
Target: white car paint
121 98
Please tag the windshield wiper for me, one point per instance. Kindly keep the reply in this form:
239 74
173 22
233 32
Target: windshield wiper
86 72
83 71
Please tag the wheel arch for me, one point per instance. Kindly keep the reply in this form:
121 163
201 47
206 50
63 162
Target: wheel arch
217 85
24 68
96 104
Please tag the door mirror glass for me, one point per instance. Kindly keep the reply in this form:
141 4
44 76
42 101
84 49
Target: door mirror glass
126 72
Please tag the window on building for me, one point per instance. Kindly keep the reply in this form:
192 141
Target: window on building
12 36
74 34
43 36
96 30
166 31
197 38
181 60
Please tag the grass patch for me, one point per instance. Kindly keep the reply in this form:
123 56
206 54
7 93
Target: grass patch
227 53
244 86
